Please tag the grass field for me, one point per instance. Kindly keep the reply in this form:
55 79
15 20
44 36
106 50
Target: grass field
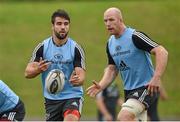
24 24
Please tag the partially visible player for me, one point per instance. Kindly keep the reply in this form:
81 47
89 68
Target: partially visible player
60 52
11 107
107 102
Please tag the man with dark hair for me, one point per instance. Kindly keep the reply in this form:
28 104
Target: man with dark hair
11 107
59 13
62 53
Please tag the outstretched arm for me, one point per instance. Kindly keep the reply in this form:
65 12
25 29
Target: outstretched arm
109 75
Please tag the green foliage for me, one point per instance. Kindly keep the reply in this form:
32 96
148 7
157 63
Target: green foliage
24 24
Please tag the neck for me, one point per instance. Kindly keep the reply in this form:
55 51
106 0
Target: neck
59 42
121 31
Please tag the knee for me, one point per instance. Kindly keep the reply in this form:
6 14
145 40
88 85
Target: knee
125 116
130 111
71 117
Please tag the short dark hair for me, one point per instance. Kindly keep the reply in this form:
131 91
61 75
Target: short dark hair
60 13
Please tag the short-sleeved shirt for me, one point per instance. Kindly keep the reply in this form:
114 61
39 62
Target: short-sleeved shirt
130 53
65 58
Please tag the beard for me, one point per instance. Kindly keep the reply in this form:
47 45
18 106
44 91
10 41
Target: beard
59 36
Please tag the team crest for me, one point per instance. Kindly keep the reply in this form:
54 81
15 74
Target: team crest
58 57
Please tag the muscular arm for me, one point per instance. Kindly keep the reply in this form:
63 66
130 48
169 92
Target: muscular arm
110 74
32 70
142 41
161 58
35 68
78 76
81 74
36 64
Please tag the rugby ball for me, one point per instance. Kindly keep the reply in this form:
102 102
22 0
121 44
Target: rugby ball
54 81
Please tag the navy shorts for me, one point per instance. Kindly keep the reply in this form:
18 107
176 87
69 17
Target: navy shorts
55 108
141 94
16 114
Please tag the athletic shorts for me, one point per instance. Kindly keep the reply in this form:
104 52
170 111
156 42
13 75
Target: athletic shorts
141 94
16 114
55 108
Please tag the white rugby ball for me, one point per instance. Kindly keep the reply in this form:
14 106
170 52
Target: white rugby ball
54 82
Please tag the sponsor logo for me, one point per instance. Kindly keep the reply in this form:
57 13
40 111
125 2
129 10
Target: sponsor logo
61 62
58 59
123 66
74 104
136 94
11 116
121 53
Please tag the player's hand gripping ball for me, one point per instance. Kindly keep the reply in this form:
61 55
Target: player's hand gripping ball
54 82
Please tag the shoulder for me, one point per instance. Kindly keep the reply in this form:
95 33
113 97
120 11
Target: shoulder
111 38
1 82
143 41
3 86
76 45
47 40
71 42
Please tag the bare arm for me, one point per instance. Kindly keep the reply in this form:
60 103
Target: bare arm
35 68
32 70
161 58
78 76
142 41
109 75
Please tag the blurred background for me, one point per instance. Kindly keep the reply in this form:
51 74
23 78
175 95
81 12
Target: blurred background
23 24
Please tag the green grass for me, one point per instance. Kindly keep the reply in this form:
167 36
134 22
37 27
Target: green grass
24 24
